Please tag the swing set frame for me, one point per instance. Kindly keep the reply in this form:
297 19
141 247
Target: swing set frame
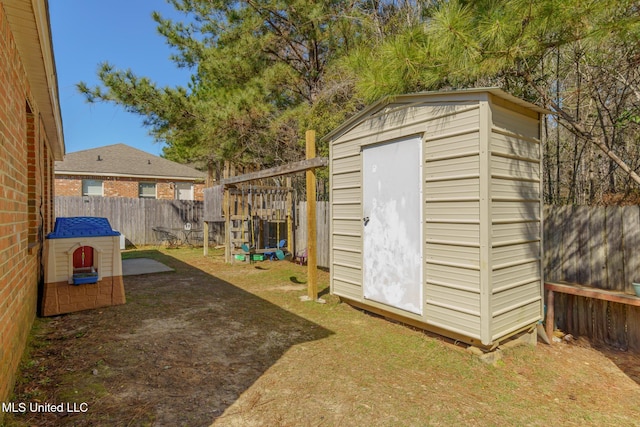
235 208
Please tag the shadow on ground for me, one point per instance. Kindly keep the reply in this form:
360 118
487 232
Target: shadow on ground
185 346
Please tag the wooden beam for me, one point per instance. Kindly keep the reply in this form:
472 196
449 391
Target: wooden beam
304 165
312 260
591 292
582 291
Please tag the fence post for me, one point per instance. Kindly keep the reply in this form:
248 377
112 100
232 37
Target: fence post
312 260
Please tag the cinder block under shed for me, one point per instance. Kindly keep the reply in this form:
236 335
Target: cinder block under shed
436 212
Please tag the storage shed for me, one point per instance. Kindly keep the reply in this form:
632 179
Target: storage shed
83 266
436 213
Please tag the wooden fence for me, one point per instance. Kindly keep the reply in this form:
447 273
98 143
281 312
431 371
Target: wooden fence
599 247
135 218
322 231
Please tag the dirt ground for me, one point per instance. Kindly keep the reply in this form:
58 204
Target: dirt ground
233 345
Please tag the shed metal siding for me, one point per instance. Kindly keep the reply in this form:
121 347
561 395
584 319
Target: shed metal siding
346 232
516 223
481 154
452 202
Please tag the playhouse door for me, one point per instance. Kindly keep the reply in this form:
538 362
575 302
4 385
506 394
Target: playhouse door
392 223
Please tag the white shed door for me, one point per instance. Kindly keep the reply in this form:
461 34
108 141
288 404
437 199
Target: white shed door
392 223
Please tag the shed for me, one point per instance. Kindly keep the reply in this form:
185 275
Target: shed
436 212
83 266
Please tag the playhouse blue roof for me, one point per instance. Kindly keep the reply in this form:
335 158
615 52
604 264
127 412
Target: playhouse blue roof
81 226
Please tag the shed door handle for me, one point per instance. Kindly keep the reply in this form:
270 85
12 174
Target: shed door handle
365 220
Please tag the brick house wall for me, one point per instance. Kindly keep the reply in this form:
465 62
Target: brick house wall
71 185
26 204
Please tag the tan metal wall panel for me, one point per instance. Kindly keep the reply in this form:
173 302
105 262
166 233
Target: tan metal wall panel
517 231
453 123
350 274
515 168
347 258
453 320
452 231
349 195
452 211
457 145
398 120
349 226
346 289
506 277
341 180
459 188
345 149
510 211
516 319
445 275
516 226
347 211
448 232
346 164
469 256
456 299
512 299
510 254
515 122
511 145
347 241
507 189
451 168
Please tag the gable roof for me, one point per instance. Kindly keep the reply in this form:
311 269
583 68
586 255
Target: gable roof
433 96
123 160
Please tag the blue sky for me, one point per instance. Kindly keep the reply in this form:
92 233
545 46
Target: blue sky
88 32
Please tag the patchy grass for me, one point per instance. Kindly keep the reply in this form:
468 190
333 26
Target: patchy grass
233 345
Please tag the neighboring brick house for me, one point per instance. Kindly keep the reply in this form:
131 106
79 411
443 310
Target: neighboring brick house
31 139
122 171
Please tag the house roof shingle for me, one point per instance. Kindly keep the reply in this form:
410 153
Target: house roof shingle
123 160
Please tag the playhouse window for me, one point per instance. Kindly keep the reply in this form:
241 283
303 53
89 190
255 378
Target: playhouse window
83 260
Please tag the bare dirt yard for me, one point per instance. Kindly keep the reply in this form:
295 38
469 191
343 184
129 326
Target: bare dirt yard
233 345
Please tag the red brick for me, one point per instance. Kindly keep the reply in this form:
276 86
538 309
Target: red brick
25 173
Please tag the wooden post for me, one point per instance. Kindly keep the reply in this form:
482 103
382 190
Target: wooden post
289 217
550 321
227 217
205 230
312 267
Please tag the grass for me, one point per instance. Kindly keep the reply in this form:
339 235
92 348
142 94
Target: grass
296 363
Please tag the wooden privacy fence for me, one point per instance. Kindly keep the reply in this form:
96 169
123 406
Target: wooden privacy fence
597 247
135 218
322 231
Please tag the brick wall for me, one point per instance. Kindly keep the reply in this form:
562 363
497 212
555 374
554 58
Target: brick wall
26 208
71 185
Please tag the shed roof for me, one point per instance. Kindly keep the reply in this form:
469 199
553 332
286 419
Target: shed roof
126 161
472 93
